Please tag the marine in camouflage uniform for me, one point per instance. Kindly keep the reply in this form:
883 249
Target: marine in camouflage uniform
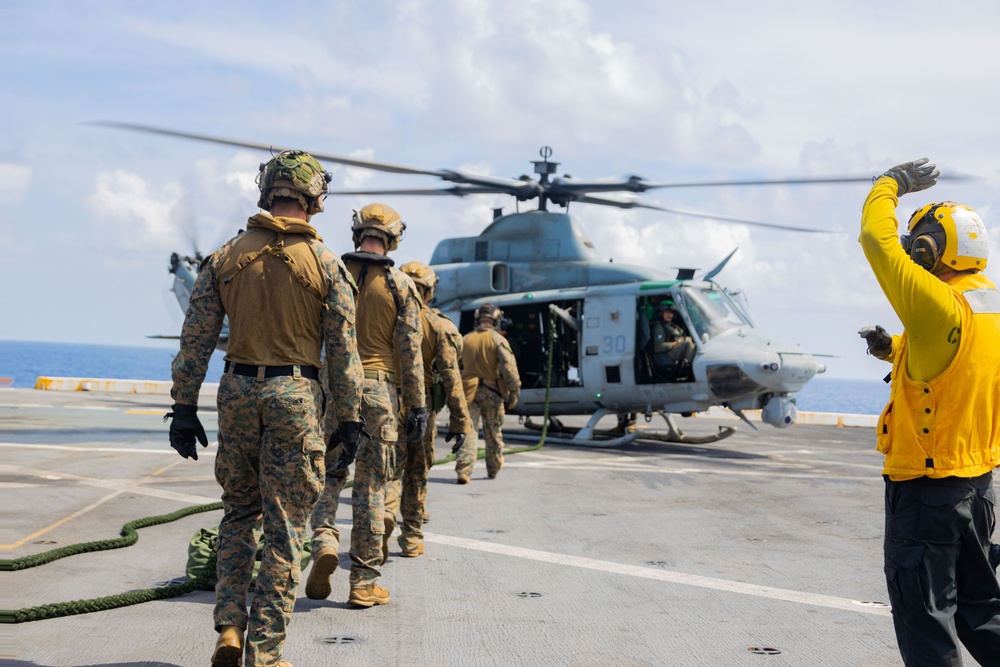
286 295
490 371
441 349
389 340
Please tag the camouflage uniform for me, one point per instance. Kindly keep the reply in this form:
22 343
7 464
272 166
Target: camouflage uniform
389 337
286 295
441 349
488 361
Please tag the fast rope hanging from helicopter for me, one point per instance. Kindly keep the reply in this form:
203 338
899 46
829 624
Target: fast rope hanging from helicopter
130 536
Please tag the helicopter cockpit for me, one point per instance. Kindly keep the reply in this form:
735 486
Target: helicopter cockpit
711 311
702 313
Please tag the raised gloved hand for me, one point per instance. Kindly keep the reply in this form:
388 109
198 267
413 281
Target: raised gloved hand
348 434
879 340
913 176
510 401
459 440
184 429
416 424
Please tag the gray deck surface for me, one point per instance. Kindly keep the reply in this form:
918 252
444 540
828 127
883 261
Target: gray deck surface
649 554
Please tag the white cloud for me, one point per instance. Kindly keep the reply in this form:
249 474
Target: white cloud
14 180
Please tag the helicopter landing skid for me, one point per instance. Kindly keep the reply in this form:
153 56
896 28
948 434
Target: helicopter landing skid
616 437
583 436
676 435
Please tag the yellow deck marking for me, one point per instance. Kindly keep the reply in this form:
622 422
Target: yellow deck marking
132 487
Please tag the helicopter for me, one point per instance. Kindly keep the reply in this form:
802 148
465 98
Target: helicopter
593 318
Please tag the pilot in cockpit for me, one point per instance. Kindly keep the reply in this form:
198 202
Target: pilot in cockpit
670 339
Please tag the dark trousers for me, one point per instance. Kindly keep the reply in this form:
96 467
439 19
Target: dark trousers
942 586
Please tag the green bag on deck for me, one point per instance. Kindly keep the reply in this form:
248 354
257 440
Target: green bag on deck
203 547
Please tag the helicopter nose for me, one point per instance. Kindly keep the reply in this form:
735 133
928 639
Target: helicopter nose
790 371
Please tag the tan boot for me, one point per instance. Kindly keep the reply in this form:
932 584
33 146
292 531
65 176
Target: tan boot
228 647
412 550
463 479
368 596
325 561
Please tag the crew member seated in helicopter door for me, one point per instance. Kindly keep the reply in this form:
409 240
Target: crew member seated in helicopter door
671 344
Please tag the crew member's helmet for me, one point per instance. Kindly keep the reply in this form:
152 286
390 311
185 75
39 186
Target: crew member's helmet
295 175
665 306
423 276
947 237
488 311
381 221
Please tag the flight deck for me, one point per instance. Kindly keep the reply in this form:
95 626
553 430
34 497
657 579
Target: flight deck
761 549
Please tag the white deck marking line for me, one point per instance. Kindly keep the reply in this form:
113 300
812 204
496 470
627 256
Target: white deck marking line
125 450
819 474
769 592
119 484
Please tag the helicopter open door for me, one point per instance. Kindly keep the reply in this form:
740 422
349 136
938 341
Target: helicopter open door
652 367
525 325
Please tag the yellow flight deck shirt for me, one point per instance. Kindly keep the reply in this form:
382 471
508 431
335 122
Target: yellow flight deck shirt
943 415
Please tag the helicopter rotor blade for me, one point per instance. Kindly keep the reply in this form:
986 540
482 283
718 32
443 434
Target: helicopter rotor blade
348 161
699 214
617 203
457 191
822 180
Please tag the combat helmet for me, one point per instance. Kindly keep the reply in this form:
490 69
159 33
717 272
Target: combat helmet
423 276
378 220
947 237
488 311
295 175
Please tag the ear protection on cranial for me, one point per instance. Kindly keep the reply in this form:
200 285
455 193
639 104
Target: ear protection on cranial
926 241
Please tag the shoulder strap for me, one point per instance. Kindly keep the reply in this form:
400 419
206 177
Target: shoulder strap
394 288
277 250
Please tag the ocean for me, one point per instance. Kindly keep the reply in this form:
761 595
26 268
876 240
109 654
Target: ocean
23 362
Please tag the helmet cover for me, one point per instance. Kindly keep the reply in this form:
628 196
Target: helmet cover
422 275
378 220
296 175
488 311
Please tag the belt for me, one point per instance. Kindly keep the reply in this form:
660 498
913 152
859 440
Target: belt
310 372
373 374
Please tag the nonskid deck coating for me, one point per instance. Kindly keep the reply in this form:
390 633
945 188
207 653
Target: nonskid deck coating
762 549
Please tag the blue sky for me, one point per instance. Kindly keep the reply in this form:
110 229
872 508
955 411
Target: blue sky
697 90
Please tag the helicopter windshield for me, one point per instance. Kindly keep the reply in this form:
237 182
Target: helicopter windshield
711 311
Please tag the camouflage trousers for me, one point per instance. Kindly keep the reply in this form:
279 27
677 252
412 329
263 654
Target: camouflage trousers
325 534
373 469
270 466
487 405
406 494
323 523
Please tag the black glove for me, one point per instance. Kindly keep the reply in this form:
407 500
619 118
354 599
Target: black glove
879 340
913 176
184 428
459 440
416 424
349 435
